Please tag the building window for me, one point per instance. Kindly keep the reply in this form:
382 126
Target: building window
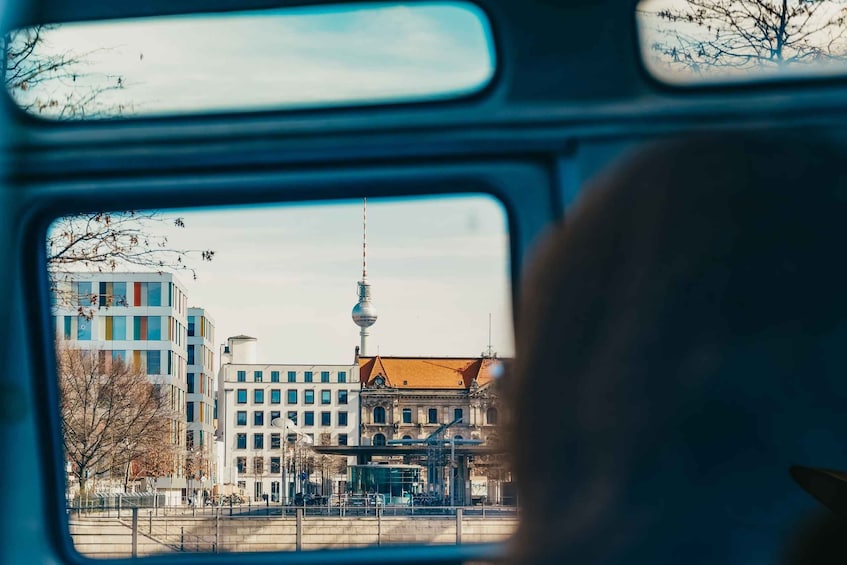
307 376
190 382
258 396
274 416
407 415
379 415
257 376
326 397
407 437
292 416
259 468
241 464
84 295
191 322
190 355
83 329
491 416
308 397
275 467
276 396
275 441
154 362
292 376
241 418
242 376
189 412
342 418
326 419
324 376
457 414
342 376
274 376
342 397
309 419
258 418
292 396
433 416
241 396
240 441
342 439
379 439
258 441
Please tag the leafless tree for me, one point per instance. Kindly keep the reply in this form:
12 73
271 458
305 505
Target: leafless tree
103 241
111 413
57 84
745 35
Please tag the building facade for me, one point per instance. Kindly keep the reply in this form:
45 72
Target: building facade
254 403
411 398
201 386
141 319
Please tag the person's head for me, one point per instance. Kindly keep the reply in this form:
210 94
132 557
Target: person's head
680 344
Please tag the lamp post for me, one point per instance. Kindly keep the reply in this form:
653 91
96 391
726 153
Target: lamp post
284 424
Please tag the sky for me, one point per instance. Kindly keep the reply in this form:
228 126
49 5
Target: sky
287 276
278 58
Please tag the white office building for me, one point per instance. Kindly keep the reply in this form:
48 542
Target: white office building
140 318
321 401
201 386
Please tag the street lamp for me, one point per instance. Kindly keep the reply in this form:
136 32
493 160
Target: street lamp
287 424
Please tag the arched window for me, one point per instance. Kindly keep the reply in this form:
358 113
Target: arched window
458 437
407 437
379 439
379 415
491 416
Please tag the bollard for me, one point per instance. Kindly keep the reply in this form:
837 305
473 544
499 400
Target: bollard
182 538
298 536
135 532
217 532
379 525
150 522
458 526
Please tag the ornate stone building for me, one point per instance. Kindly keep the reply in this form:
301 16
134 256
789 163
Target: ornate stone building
410 398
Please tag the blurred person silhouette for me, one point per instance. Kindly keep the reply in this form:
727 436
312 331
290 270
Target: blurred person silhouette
680 374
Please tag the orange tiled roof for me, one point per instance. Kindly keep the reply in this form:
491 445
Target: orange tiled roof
426 372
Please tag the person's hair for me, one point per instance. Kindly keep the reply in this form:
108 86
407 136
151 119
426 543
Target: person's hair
672 358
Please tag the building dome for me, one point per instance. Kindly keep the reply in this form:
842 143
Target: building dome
364 314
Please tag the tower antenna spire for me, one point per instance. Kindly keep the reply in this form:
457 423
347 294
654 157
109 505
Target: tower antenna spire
364 313
364 238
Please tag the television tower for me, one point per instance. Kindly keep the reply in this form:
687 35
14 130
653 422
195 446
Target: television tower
364 313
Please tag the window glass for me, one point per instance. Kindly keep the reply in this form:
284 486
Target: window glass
258 396
241 376
241 418
292 376
324 376
321 56
257 376
407 415
292 396
258 441
309 419
258 418
274 376
342 439
326 397
308 397
689 42
242 396
326 418
342 397
307 376
433 415
342 418
276 397
342 376
241 441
